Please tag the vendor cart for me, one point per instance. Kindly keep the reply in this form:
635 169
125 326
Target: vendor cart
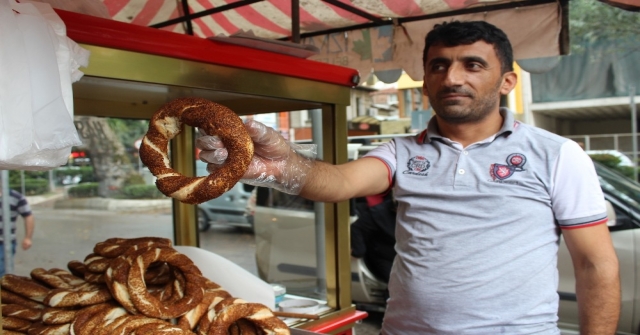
133 70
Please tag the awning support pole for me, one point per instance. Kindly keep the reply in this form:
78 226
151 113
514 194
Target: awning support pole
186 12
211 11
295 21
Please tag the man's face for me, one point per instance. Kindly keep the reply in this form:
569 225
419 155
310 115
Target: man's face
464 82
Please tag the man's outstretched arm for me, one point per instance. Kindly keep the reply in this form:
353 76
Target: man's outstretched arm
597 278
332 183
278 164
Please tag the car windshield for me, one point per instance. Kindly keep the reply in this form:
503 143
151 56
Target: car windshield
620 186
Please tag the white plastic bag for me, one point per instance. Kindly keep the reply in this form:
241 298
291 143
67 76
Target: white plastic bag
88 7
15 89
36 100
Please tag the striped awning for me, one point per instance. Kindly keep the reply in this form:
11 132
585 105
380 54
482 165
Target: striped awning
273 18
385 36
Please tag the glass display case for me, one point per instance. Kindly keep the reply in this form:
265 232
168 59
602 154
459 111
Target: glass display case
134 70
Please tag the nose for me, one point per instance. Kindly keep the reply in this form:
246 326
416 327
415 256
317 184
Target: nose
455 76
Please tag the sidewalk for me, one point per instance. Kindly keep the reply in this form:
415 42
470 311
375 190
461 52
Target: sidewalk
61 201
37 199
112 204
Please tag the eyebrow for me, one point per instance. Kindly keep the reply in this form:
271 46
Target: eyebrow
466 59
469 59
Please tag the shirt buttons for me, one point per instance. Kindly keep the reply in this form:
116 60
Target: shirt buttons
465 152
461 171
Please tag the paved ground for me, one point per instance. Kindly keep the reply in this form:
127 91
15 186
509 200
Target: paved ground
370 325
62 235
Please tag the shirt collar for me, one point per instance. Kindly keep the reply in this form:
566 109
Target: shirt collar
508 126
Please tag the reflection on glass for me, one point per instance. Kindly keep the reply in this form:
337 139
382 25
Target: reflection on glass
286 242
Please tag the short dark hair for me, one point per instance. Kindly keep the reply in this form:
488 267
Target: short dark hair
456 33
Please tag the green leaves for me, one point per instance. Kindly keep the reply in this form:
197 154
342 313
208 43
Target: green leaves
591 21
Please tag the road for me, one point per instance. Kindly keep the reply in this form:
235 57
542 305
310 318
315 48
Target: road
62 235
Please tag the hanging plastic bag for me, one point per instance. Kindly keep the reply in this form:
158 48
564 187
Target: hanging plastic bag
15 89
37 63
88 7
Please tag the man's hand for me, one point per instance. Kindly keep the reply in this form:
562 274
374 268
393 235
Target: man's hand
29 226
275 163
26 243
213 150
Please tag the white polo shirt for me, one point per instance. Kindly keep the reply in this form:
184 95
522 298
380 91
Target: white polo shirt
478 229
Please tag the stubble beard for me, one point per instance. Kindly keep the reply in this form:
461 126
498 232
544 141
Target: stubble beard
456 112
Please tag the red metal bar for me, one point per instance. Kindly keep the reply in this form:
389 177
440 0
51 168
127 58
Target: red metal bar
119 35
333 324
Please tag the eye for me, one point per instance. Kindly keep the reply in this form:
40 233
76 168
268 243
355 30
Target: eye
474 66
438 67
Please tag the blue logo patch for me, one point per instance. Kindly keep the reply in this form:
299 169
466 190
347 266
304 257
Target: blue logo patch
418 165
515 163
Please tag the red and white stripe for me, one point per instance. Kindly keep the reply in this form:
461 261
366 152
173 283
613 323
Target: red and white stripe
272 18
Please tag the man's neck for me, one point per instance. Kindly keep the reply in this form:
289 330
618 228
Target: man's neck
469 133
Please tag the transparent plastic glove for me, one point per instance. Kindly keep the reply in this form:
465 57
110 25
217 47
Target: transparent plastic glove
276 162
213 150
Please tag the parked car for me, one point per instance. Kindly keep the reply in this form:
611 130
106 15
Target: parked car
623 159
286 251
228 209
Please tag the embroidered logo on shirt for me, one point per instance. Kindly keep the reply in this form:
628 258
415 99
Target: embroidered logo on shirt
418 165
515 163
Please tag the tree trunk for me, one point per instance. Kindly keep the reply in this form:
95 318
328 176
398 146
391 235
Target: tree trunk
109 159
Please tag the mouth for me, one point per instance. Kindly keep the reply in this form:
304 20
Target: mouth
453 97
454 94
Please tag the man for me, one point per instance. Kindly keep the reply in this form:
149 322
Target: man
481 198
18 205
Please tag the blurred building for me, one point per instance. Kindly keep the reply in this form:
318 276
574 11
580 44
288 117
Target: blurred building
589 96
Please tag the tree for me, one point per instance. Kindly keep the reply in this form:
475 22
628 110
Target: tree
592 21
109 159
128 130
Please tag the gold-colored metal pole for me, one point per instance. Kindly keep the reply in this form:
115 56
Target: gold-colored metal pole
184 215
338 257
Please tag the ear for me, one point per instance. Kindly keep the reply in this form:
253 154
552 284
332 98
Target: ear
509 81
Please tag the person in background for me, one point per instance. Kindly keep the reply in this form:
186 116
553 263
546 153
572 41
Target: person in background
373 234
482 199
18 206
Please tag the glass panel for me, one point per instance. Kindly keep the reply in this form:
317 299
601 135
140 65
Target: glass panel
102 192
285 233
225 223
268 233
105 192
